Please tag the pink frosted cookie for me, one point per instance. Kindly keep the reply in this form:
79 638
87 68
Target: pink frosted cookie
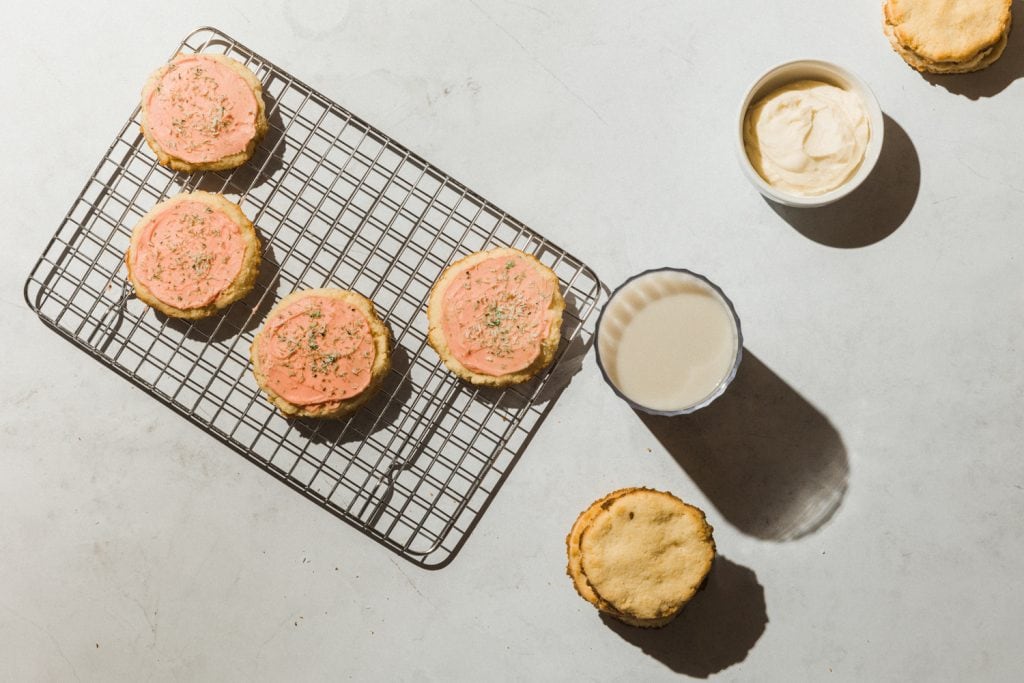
495 317
193 255
203 113
321 353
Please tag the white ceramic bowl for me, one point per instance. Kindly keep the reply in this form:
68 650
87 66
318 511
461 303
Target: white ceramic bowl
817 70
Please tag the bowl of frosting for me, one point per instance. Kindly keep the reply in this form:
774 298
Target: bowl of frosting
810 132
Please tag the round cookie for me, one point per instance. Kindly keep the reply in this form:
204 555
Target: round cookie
980 61
939 36
203 112
646 554
575 571
193 255
572 546
321 353
495 317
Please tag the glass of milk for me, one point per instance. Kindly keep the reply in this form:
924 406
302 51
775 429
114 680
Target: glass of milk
669 341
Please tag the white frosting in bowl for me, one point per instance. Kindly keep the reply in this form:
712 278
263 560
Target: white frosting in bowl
807 137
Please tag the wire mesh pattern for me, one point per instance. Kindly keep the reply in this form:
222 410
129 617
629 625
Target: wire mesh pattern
337 203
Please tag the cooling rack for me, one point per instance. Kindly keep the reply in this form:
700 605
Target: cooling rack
337 203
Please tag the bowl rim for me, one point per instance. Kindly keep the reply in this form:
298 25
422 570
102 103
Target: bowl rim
722 385
871 153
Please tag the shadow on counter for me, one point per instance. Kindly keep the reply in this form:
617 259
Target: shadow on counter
715 631
993 79
769 461
874 210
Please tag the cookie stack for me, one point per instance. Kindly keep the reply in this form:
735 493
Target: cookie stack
948 36
640 555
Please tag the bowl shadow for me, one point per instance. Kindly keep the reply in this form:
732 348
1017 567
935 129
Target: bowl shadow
770 462
715 630
874 210
993 79
242 316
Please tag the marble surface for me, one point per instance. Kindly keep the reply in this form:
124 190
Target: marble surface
863 474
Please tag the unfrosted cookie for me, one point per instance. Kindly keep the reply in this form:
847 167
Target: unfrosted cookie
321 353
193 255
495 317
575 570
203 112
948 36
572 546
645 554
980 61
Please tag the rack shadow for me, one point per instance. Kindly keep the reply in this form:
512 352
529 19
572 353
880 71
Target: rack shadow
874 210
381 410
379 500
110 321
242 316
993 79
549 384
267 161
768 460
714 631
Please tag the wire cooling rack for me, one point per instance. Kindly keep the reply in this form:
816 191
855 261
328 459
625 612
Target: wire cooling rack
337 203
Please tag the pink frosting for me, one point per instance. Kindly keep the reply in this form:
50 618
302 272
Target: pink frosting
496 315
317 350
188 254
201 110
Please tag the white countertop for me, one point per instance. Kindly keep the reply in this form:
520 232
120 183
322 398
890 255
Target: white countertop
863 474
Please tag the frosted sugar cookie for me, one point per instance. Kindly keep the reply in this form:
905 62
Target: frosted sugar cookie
203 112
495 317
321 353
193 255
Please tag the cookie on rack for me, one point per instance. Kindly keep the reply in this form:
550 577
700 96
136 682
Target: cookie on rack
640 555
946 37
203 112
193 255
495 317
321 353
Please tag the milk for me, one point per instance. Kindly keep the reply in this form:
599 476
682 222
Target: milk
668 341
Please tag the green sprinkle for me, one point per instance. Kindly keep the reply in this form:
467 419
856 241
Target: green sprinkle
494 315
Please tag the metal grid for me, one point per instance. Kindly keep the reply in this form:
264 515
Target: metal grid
337 203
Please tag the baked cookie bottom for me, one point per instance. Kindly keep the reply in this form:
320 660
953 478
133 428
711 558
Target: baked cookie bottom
945 31
982 59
